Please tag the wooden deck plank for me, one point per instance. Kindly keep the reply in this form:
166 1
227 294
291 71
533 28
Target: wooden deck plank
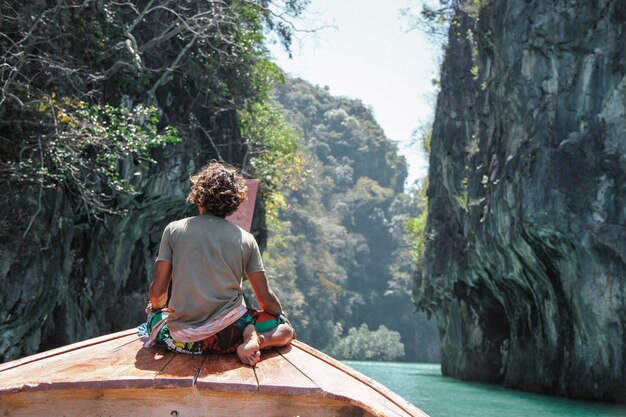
340 385
133 366
118 363
76 367
383 390
79 345
276 375
226 373
181 371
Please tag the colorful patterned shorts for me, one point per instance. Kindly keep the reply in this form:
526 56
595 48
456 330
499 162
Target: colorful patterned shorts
225 341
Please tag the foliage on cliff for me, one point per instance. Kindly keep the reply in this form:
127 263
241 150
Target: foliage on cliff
79 79
337 249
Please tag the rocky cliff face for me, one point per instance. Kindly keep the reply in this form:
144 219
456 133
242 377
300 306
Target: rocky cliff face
525 263
69 280
90 92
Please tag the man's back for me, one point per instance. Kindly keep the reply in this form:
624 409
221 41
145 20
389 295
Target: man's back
209 257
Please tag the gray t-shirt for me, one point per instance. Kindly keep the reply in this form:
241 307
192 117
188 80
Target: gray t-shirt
209 257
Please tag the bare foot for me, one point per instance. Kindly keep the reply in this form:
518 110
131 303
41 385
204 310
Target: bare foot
249 351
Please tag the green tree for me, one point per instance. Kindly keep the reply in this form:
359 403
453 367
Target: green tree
338 245
192 65
362 343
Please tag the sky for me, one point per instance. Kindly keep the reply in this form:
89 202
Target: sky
370 55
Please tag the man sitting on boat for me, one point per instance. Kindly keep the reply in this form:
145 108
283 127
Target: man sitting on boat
205 259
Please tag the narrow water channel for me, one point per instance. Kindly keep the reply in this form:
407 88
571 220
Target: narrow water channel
439 396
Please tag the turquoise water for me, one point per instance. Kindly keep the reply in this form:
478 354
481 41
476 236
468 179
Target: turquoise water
439 396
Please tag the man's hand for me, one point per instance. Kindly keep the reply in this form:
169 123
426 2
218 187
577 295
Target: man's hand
149 308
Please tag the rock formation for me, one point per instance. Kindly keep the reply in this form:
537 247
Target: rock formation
88 279
525 263
88 90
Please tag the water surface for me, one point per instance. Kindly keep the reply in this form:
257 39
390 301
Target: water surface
439 396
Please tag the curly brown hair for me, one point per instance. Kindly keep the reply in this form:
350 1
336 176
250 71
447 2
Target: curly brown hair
218 188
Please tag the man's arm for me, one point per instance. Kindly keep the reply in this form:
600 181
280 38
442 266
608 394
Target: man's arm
160 284
264 294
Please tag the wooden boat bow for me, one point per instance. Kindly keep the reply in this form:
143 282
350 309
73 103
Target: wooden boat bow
116 375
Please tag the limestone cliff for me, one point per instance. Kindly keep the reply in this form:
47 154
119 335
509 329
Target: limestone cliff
90 90
82 279
525 263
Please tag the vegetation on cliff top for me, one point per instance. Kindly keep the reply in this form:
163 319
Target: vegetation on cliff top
338 246
88 87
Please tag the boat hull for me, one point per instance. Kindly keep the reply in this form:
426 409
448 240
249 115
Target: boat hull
170 402
115 375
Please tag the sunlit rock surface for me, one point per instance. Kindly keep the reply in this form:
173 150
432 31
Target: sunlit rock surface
526 254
